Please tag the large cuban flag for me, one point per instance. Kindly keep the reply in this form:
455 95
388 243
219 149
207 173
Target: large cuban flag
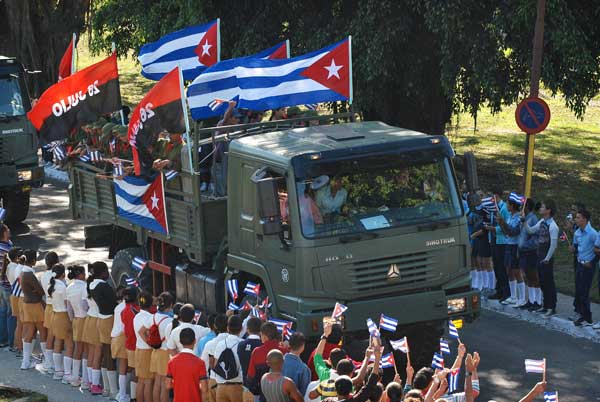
193 49
142 202
220 82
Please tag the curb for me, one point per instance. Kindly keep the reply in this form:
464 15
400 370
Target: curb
55 174
555 323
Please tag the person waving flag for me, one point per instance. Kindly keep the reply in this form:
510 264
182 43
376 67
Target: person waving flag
193 49
338 310
400 344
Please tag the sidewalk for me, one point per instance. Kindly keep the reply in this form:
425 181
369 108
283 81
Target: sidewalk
559 322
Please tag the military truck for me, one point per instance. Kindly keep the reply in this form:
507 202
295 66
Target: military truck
396 243
19 163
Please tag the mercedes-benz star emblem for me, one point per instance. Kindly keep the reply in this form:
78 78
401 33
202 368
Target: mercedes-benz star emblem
393 273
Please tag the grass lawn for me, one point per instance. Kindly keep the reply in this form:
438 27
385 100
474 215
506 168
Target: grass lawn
566 166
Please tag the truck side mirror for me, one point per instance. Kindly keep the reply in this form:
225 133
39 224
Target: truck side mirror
268 202
470 166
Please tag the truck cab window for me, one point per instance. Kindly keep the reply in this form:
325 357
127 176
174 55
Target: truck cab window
11 101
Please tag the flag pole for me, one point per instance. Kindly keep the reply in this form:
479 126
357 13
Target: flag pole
73 65
287 48
187 121
350 68
544 375
113 46
218 40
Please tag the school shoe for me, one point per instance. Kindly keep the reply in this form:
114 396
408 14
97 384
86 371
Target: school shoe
123 398
27 365
549 313
85 386
203 188
596 325
96 389
508 301
582 322
58 375
66 380
106 392
47 367
523 306
574 317
541 310
75 382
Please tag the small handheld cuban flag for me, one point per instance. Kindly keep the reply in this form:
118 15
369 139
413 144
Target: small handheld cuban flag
85 158
4 246
171 174
118 169
489 204
437 362
233 307
95 156
197 316
232 288
387 361
388 323
265 303
452 331
535 366
254 312
453 380
373 330
2 214
112 145
138 263
280 324
132 282
400 344
247 306
252 289
57 150
564 237
517 198
551 396
15 289
338 310
215 104
312 106
444 347
287 332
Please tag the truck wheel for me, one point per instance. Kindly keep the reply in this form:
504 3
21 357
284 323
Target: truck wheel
424 341
121 266
17 206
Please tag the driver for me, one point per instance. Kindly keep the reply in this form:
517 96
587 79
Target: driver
330 198
404 193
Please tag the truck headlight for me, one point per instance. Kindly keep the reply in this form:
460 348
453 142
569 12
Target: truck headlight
457 305
24 175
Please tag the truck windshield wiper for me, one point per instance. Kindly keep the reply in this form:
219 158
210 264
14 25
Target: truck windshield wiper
358 237
7 117
433 225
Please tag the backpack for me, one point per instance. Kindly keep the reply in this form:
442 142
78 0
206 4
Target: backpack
154 340
226 366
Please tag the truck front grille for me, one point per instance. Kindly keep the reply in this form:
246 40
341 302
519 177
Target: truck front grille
412 270
5 151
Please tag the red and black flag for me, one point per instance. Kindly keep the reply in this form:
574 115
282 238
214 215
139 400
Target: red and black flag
160 110
78 99
65 68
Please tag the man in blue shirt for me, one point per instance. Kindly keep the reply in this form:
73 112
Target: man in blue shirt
210 321
511 228
528 258
498 243
583 242
293 367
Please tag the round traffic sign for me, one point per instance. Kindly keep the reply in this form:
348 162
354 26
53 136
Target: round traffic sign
532 115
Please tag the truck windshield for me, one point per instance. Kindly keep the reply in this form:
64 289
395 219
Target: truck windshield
11 101
375 193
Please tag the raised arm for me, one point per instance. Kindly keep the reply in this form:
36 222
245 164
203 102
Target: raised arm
535 391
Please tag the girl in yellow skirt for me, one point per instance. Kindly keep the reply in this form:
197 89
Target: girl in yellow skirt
117 347
77 303
61 324
13 271
160 356
47 347
92 338
143 351
106 299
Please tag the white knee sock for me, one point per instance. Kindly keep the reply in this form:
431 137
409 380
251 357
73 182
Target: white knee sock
521 292
95 377
75 369
27 349
48 362
122 384
513 289
68 363
58 361
90 372
112 382
538 297
84 371
104 378
133 389
492 280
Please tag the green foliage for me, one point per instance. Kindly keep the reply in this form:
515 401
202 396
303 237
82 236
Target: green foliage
415 62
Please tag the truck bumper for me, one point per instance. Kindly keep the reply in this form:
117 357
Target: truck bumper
22 179
407 309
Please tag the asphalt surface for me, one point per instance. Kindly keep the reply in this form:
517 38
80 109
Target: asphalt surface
503 342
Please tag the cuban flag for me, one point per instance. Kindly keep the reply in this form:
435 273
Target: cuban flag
280 324
338 310
95 156
373 330
138 263
444 347
4 246
247 306
551 396
452 331
142 202
171 174
57 149
85 158
232 288
564 237
265 303
387 361
453 380
15 289
388 323
197 315
132 282
193 49
252 289
2 214
437 362
287 332
400 344
535 366
489 204
209 93
118 169
233 307
517 198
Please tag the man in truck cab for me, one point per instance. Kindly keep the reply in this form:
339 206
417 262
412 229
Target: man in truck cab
330 196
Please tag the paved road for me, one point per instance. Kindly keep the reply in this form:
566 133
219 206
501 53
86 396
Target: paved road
504 343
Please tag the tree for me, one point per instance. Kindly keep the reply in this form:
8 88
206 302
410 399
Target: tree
39 32
415 62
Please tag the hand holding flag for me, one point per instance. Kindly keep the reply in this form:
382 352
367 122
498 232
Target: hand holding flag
452 331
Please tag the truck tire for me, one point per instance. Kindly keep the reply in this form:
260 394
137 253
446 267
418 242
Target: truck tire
424 340
121 266
17 206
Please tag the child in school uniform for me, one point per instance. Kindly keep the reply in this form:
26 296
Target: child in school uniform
143 351
32 310
61 325
130 295
51 259
160 357
76 294
117 347
13 271
92 338
186 372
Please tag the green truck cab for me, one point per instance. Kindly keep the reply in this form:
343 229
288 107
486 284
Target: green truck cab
360 213
19 164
